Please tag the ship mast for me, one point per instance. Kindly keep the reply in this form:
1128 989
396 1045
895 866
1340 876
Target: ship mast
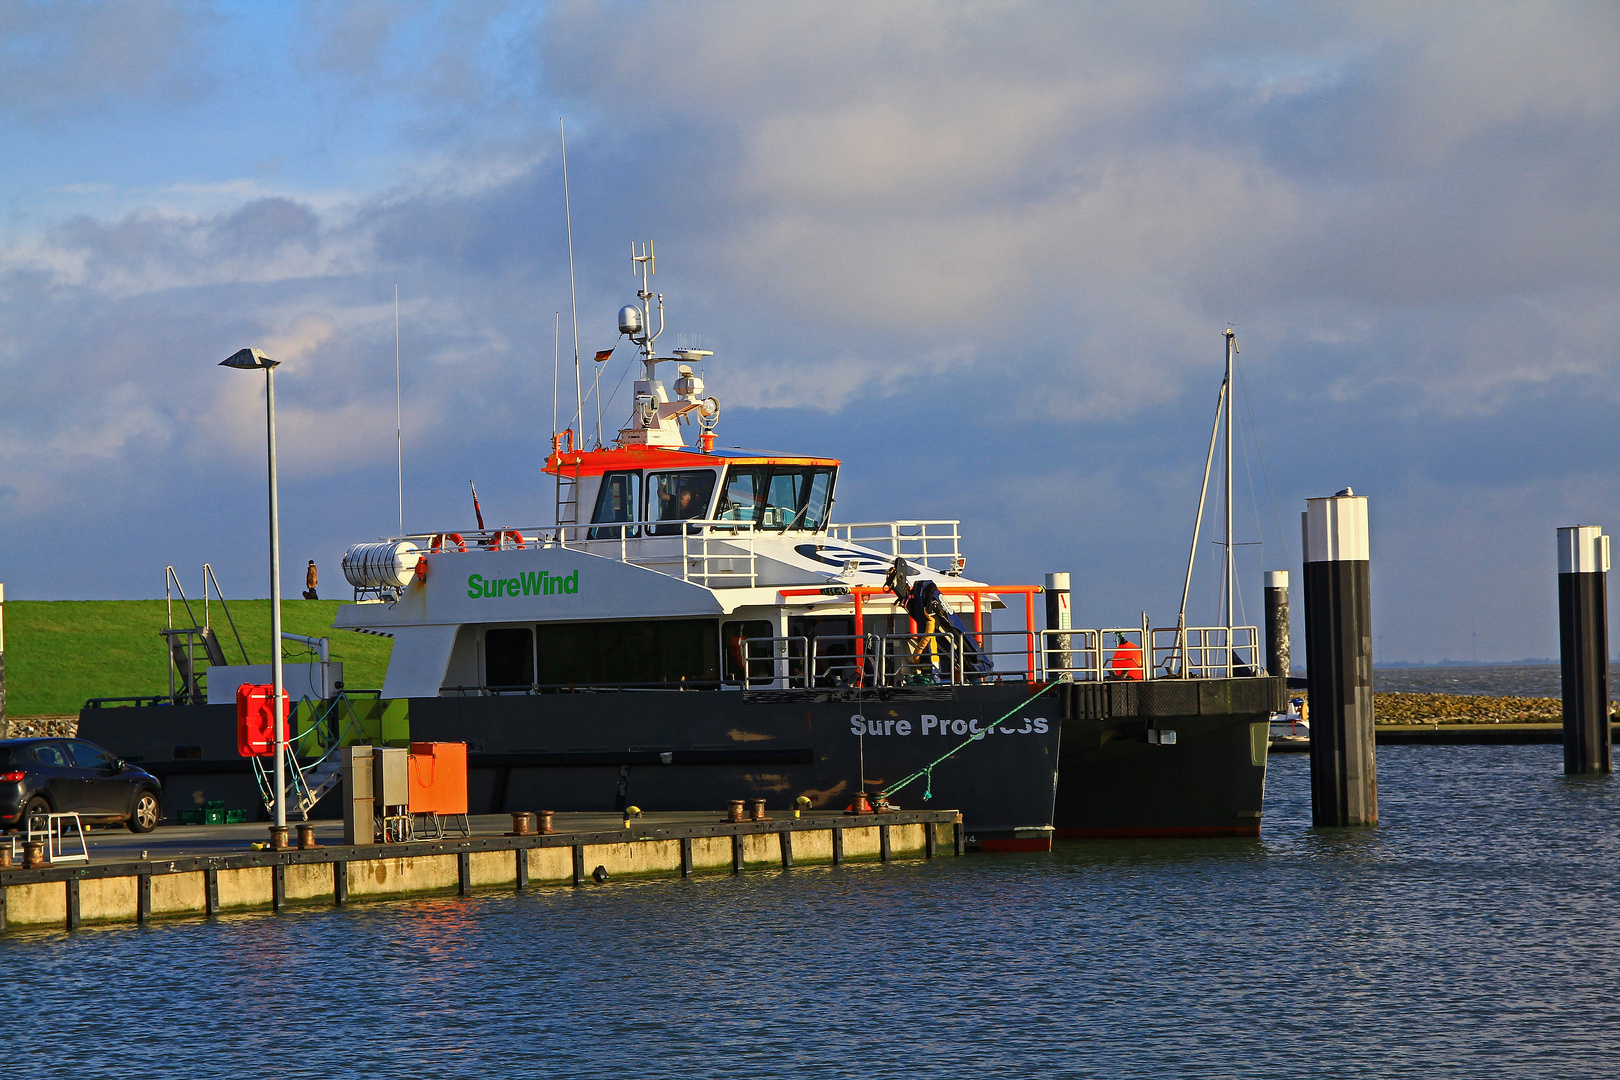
1231 561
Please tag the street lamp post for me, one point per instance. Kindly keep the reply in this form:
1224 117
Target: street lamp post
252 359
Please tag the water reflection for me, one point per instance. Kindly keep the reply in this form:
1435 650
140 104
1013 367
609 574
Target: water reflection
1471 934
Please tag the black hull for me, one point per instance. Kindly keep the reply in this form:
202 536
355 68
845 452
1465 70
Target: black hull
602 751
1114 782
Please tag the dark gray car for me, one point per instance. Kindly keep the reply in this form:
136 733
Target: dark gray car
42 776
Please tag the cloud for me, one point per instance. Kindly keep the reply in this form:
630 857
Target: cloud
991 246
61 58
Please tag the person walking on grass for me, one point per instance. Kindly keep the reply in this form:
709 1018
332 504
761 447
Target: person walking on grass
311 579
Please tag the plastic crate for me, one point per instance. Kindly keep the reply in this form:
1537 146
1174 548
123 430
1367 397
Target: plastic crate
214 817
235 817
214 804
193 817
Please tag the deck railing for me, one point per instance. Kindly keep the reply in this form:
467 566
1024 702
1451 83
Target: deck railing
715 553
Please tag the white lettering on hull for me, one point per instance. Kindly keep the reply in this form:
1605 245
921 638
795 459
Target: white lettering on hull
933 725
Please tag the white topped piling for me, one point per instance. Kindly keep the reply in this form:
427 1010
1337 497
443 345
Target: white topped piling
1338 657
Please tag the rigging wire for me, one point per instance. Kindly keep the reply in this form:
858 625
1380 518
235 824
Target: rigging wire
1265 474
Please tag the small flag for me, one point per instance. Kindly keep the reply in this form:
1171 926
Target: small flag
603 355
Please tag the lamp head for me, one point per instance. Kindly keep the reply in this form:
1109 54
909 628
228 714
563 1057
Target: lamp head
248 358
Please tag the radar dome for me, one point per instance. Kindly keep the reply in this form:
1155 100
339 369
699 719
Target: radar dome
630 320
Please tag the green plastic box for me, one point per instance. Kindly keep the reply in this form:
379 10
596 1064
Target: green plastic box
192 817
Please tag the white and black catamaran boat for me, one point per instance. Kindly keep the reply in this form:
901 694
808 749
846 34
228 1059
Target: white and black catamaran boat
693 627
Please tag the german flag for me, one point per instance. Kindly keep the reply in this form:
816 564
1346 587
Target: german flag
603 355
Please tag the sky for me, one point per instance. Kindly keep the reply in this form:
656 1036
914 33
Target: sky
983 252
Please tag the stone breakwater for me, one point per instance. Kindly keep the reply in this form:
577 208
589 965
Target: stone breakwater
1413 708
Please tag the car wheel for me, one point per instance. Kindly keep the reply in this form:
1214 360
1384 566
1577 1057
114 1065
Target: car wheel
144 817
37 806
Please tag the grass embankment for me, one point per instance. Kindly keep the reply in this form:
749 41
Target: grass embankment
60 653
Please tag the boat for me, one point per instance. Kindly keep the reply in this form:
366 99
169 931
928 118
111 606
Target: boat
694 627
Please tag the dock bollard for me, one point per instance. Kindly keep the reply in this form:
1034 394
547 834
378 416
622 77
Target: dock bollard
33 855
1583 647
521 824
756 810
278 838
306 837
735 813
545 817
1278 649
5 857
1338 661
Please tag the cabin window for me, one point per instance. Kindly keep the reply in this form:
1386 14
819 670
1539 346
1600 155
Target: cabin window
745 661
678 496
743 492
797 497
660 653
616 501
509 658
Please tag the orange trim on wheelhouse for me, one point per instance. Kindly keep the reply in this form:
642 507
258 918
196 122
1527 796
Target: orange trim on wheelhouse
628 458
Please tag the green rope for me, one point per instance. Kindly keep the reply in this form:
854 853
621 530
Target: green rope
927 771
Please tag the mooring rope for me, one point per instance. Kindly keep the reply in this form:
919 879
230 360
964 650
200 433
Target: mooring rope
928 770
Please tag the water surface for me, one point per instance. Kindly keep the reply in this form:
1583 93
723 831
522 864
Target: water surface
1473 933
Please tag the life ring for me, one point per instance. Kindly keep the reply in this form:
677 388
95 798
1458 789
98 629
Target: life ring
441 540
493 543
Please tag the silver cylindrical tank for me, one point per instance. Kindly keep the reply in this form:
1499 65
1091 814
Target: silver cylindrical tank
388 565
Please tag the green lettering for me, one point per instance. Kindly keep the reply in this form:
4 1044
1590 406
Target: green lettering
512 584
475 586
551 585
571 585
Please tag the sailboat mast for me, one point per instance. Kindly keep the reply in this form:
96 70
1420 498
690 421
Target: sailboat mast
1231 562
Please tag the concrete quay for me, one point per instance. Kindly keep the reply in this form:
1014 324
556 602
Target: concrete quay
179 871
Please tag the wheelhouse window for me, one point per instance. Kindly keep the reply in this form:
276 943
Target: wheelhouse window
778 497
744 491
616 501
678 496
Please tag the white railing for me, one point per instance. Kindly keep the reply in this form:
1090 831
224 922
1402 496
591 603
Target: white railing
934 544
1077 655
717 554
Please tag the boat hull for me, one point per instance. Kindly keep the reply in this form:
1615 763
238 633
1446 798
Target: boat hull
1117 780
684 750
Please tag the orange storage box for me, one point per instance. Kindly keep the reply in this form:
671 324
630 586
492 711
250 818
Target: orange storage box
438 778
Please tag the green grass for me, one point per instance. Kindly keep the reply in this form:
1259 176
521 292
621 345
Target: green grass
59 653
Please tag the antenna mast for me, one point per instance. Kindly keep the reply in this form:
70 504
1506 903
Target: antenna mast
399 417
573 296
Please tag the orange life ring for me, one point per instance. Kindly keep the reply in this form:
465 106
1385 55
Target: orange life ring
440 540
493 542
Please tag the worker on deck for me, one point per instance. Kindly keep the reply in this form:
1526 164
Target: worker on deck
311 579
1126 663
925 647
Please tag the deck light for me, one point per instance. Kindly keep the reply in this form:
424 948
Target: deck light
252 360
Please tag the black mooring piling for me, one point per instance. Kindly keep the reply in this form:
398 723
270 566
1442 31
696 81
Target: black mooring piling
1583 646
1058 617
1278 650
1338 658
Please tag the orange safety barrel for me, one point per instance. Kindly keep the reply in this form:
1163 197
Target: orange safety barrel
438 778
255 723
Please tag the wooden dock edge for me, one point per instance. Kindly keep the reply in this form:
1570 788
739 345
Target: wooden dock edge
135 891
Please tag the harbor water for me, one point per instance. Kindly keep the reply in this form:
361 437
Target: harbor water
1472 933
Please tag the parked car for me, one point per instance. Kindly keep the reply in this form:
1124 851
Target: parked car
43 776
